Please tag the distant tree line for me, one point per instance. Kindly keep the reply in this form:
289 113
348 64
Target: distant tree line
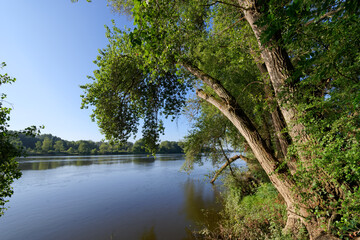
47 144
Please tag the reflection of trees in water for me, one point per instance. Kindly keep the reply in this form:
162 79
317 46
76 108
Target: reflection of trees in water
149 234
200 207
54 164
170 157
51 164
44 163
144 161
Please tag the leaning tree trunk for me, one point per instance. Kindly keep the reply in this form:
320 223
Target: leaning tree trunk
281 178
280 68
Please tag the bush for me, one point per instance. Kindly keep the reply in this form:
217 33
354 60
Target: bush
252 210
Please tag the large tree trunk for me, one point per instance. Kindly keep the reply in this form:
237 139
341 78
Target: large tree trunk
281 178
227 104
280 68
276 117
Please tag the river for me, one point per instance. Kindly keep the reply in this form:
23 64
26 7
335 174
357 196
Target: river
109 197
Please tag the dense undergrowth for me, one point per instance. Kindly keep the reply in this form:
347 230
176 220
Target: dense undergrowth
253 209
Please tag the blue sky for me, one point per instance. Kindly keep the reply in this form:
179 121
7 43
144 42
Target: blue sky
49 46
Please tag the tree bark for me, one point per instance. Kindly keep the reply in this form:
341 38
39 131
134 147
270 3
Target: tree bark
280 68
281 178
276 117
227 163
227 104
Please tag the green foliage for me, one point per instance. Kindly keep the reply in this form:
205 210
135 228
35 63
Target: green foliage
252 216
70 150
170 147
322 38
9 149
83 148
252 210
139 146
123 92
122 6
46 145
211 132
103 148
59 146
140 76
42 145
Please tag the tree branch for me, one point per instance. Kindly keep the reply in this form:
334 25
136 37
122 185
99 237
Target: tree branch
228 162
213 83
328 14
232 25
226 3
232 159
210 99
226 157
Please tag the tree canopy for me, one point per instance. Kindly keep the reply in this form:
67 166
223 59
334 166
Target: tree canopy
125 91
278 80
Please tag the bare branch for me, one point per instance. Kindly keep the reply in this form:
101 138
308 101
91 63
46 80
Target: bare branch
228 162
232 159
213 83
226 157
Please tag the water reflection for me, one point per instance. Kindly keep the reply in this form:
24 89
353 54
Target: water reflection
149 234
44 163
170 157
117 197
144 161
201 205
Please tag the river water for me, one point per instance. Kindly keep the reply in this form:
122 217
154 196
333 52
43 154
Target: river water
109 197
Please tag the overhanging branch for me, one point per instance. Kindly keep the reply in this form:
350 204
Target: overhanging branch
228 162
213 83
210 99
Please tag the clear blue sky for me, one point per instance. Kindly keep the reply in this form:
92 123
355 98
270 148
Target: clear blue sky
49 46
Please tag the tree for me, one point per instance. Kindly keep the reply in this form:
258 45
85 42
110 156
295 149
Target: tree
9 170
59 146
8 166
38 145
139 146
308 75
103 148
70 150
47 144
119 101
169 147
84 147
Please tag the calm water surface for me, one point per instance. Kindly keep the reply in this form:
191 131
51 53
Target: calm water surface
108 197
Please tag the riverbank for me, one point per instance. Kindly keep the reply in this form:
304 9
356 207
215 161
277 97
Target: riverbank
252 209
